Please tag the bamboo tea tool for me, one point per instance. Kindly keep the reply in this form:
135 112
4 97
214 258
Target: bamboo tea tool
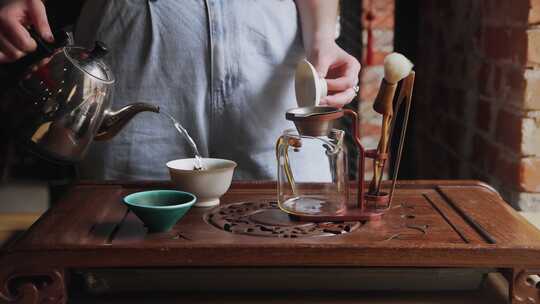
396 68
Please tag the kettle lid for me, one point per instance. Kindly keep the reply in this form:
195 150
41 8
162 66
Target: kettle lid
90 62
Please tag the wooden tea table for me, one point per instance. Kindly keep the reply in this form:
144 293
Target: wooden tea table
88 243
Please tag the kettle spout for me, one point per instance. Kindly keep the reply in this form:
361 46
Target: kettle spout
114 121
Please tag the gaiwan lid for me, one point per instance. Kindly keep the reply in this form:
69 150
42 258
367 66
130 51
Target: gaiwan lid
310 87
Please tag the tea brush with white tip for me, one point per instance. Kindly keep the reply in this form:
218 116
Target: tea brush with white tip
396 68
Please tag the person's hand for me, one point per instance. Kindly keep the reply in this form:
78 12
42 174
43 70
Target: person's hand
340 70
15 17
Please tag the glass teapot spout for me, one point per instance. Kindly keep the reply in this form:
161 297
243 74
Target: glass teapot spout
114 121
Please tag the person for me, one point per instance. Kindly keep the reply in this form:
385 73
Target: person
224 69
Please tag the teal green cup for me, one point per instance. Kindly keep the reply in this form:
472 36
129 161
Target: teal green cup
159 210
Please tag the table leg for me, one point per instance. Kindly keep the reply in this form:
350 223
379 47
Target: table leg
33 286
524 285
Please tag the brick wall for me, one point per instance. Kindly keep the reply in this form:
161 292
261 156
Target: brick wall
477 97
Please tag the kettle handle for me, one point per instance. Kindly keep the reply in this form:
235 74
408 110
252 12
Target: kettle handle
44 50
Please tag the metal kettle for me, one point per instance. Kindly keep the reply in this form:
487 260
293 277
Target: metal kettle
61 100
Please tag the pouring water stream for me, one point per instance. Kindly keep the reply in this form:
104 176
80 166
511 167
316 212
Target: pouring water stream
199 164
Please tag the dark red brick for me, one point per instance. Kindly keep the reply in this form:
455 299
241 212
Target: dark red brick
485 79
454 135
483 115
497 43
508 130
514 79
508 172
458 102
485 154
516 12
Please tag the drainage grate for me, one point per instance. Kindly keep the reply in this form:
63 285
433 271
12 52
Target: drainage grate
267 220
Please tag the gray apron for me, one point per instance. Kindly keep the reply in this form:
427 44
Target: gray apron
224 69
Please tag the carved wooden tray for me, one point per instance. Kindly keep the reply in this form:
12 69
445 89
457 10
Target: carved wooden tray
432 224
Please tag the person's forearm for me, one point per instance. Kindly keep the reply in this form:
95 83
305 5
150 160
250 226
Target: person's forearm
318 20
340 70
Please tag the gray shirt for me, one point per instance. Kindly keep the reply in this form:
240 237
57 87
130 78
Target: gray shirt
224 69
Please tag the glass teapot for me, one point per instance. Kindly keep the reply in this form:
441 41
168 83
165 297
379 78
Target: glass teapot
312 169
319 188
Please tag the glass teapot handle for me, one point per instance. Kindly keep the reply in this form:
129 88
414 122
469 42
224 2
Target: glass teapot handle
282 156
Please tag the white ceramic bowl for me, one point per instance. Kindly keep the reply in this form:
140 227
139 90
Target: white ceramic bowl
209 184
